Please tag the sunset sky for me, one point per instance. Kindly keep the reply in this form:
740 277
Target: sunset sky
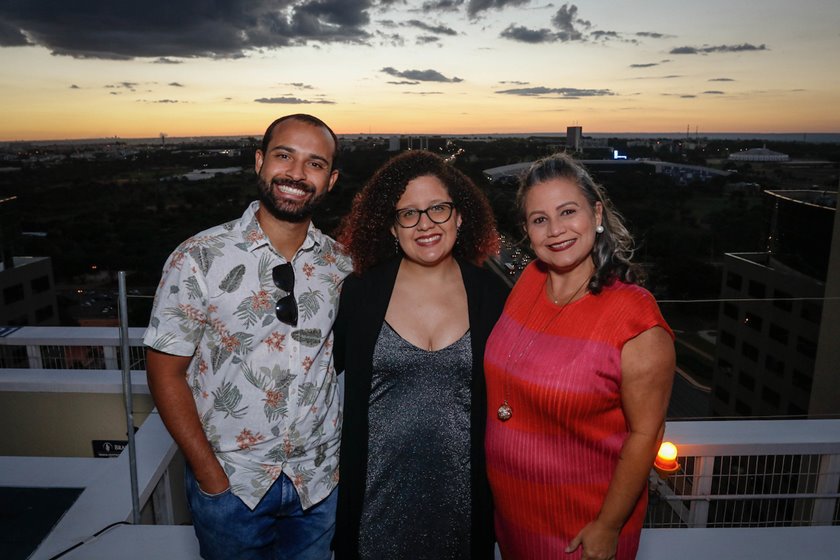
104 68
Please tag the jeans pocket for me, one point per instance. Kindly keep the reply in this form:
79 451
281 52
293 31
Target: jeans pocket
212 496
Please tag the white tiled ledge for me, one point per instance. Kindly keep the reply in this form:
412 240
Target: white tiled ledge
70 381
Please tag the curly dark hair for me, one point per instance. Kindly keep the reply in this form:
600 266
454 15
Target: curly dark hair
613 249
365 232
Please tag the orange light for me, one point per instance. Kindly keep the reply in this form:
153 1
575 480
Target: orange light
666 460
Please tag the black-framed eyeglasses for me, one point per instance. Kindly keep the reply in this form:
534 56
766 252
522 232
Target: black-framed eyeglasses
287 307
438 213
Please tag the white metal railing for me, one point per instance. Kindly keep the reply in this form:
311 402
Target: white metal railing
106 499
750 473
70 348
734 473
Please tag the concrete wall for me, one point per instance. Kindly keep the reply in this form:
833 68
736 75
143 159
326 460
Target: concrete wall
48 413
825 395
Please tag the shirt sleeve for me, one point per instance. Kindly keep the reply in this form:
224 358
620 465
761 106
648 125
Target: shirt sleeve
643 314
179 313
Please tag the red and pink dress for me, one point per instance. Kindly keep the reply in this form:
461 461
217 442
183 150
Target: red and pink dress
559 368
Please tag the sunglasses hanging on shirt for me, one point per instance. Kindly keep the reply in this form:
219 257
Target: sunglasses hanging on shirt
287 307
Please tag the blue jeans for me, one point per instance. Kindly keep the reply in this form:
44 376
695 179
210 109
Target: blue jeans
278 529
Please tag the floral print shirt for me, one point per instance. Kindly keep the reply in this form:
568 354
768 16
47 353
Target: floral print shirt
266 392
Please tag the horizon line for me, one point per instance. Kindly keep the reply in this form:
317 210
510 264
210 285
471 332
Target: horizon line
430 134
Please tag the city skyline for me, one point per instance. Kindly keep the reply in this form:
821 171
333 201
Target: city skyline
420 67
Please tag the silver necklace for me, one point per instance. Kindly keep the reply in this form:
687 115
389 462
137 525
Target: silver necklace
505 411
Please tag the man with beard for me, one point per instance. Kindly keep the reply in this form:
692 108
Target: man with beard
239 359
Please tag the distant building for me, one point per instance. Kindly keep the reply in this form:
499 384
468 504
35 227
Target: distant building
27 293
759 155
208 173
770 316
394 143
27 287
574 135
681 173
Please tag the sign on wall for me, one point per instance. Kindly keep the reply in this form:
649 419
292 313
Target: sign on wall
108 447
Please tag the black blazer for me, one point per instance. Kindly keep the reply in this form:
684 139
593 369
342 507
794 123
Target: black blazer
364 301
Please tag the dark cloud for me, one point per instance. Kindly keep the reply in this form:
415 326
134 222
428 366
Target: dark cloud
404 83
130 86
423 92
514 82
604 35
393 39
11 35
525 35
176 84
566 20
164 60
652 35
567 93
187 28
668 77
687 96
330 20
74 86
645 65
438 29
719 48
420 75
442 5
569 28
713 92
166 101
721 80
476 6
426 39
293 101
299 85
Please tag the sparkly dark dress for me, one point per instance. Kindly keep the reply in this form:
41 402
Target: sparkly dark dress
417 378
417 489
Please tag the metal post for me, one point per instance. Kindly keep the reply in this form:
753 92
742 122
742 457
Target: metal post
704 469
829 476
127 395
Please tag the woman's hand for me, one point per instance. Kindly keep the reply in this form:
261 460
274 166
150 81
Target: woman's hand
598 541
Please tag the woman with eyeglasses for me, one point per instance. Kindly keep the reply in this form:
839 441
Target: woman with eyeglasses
410 335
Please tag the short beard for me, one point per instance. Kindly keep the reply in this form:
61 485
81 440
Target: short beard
287 213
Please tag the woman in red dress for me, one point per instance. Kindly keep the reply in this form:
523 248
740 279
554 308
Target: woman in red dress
579 371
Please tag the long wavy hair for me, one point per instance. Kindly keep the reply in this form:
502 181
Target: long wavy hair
365 232
613 249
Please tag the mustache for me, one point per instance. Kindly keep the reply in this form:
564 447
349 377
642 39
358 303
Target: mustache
302 185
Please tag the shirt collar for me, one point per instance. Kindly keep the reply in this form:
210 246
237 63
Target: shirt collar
254 238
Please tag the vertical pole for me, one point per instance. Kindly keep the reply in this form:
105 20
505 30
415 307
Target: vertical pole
127 395
698 515
829 476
